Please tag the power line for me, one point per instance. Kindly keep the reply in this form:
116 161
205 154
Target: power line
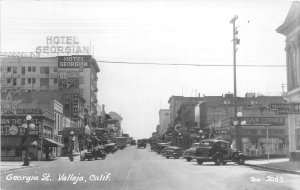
181 64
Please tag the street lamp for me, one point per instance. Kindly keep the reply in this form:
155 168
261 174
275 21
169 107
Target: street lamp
71 144
27 126
238 123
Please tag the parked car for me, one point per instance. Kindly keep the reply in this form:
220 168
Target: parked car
133 142
173 151
217 151
160 147
110 148
97 152
141 143
187 154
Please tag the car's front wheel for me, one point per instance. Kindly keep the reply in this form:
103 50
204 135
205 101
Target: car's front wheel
199 162
188 159
219 160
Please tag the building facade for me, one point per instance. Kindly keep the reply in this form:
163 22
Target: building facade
291 30
164 120
74 75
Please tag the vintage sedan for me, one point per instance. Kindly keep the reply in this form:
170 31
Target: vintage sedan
187 154
173 151
217 151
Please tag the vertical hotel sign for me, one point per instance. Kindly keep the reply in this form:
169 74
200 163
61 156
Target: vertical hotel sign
75 104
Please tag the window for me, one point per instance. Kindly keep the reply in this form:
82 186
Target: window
8 80
23 70
29 81
15 70
33 80
55 69
33 69
15 82
293 70
29 69
55 81
44 82
23 82
8 69
166 114
44 70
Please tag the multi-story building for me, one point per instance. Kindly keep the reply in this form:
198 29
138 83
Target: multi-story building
164 120
291 29
74 75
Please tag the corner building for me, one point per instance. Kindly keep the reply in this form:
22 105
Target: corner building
291 30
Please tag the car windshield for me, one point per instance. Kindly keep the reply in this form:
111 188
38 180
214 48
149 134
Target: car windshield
195 145
205 144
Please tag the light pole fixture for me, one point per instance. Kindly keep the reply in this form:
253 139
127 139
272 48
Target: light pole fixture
238 122
27 126
71 144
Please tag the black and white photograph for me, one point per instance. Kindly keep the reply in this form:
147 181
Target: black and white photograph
150 94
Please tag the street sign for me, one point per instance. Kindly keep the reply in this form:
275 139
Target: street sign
285 108
221 131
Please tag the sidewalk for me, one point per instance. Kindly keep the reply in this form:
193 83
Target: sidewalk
15 165
279 164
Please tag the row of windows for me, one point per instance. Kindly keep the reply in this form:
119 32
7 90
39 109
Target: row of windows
43 70
43 81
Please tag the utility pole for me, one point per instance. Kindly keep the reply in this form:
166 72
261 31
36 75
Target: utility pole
236 41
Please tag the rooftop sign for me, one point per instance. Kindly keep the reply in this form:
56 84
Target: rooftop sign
63 45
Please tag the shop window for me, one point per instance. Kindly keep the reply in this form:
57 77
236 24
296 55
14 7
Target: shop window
297 135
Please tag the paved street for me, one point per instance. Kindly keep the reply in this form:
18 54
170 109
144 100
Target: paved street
142 169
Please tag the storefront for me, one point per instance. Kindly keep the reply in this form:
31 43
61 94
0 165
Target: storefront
13 138
260 135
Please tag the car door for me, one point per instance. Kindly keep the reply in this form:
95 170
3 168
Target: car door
225 150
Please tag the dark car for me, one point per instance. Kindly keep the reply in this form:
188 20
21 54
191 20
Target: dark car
160 147
141 143
217 151
133 142
187 154
173 151
110 148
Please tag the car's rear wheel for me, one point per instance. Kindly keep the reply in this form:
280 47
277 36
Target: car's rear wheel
199 162
224 163
188 159
167 157
219 160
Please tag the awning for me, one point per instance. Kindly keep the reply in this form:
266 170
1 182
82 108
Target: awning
52 143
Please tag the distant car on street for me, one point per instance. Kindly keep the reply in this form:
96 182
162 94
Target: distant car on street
141 143
217 151
133 142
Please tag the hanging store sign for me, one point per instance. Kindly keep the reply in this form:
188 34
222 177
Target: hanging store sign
221 131
63 45
75 61
282 108
75 104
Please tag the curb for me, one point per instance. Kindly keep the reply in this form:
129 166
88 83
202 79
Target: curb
274 169
21 168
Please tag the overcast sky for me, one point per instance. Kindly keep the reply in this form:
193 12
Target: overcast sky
163 32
